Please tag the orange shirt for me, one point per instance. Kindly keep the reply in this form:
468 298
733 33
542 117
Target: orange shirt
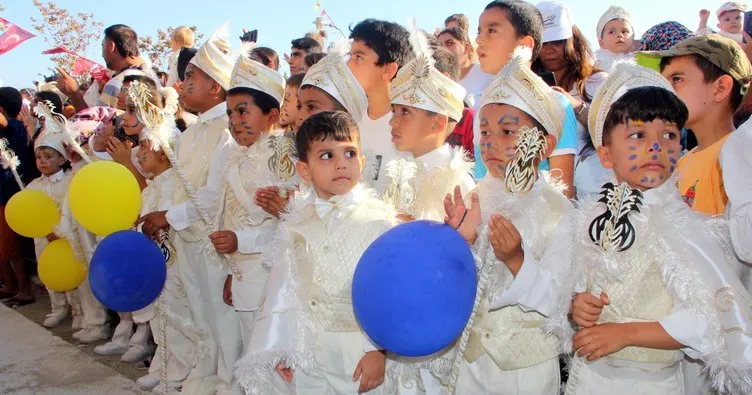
701 179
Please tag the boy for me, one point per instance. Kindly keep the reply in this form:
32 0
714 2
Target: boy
615 37
503 26
203 145
289 112
730 20
710 74
379 50
306 327
300 48
654 276
508 350
426 105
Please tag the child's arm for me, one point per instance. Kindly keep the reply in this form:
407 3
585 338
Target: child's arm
605 339
225 241
269 199
702 27
121 153
458 216
370 371
586 308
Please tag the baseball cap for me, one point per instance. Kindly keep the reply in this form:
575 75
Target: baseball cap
557 21
722 52
731 6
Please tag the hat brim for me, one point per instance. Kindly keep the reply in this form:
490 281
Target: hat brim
652 59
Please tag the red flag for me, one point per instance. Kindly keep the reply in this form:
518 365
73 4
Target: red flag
4 22
12 38
57 50
82 66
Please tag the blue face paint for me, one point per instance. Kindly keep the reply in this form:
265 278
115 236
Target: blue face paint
672 168
656 147
672 160
632 148
632 157
644 179
652 180
633 169
661 177
655 157
670 151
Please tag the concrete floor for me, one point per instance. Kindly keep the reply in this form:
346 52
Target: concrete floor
35 360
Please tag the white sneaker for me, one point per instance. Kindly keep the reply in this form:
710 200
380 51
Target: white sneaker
136 354
78 333
54 319
111 348
78 323
92 334
148 382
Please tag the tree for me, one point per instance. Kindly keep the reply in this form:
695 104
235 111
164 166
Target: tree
60 28
158 49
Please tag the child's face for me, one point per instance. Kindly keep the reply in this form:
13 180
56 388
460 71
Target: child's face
151 161
731 22
246 120
618 36
496 40
122 97
311 101
49 161
289 111
499 124
642 154
332 167
362 63
689 83
131 125
412 128
296 60
196 87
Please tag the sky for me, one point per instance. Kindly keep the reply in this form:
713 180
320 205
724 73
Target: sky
280 21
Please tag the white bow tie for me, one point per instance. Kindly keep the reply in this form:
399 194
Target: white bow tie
334 207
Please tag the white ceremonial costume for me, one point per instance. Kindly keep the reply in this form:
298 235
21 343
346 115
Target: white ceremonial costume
306 319
204 148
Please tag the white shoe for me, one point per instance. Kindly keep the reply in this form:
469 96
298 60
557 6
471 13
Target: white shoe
54 319
111 349
148 382
78 333
92 334
78 323
136 354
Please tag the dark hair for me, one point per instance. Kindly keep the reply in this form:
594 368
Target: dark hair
140 78
525 18
337 105
124 38
11 101
578 65
711 73
266 56
446 62
307 44
337 125
295 80
184 57
645 104
265 102
313 58
390 41
52 97
461 20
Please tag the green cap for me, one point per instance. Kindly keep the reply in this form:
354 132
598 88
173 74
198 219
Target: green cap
724 53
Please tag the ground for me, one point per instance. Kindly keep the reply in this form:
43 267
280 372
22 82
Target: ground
35 360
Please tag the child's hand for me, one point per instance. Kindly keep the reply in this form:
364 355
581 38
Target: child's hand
227 290
225 241
506 242
52 237
119 151
402 218
269 200
459 217
153 222
704 14
285 372
370 371
586 308
599 341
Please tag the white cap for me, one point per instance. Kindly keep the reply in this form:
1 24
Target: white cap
731 6
251 74
214 57
557 21
612 13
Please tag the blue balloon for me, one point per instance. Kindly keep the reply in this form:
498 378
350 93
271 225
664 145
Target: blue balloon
414 288
127 272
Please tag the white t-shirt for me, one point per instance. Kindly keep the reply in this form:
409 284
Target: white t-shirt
474 83
376 143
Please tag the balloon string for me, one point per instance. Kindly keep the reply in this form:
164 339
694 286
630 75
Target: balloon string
460 355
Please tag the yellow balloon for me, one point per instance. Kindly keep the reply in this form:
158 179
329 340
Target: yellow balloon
59 269
32 213
104 197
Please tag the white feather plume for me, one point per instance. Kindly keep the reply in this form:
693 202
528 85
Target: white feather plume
421 48
9 160
55 123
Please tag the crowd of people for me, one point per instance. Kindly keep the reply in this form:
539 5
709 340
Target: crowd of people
605 195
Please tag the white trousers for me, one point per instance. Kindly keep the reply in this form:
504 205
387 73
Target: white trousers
624 378
483 377
695 383
60 301
95 315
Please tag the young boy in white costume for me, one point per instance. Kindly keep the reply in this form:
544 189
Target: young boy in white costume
203 148
426 105
307 339
653 281
615 37
508 351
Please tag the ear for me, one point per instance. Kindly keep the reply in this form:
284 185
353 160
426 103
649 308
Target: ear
440 124
723 86
600 42
362 160
604 154
215 89
526 41
272 117
550 145
110 46
61 160
390 70
304 171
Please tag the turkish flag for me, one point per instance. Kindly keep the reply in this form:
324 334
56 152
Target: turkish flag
12 38
56 50
82 66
